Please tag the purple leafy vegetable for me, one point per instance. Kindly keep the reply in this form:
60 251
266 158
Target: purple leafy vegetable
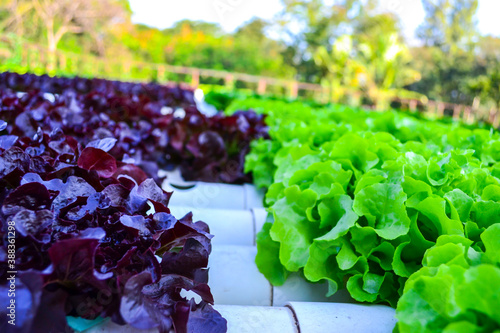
88 243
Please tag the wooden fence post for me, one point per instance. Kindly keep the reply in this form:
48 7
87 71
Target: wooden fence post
294 89
229 81
127 66
431 107
160 74
261 88
41 59
32 59
195 78
62 62
413 105
440 108
94 65
491 115
456 111
476 102
468 115
476 112
440 111
24 55
494 117
324 95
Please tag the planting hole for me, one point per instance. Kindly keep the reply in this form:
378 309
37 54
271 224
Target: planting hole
183 187
188 294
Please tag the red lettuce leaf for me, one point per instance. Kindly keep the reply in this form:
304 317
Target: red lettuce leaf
93 159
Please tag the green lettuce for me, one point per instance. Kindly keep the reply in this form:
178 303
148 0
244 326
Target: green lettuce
457 289
365 201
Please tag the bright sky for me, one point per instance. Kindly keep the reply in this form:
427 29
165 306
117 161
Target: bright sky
230 14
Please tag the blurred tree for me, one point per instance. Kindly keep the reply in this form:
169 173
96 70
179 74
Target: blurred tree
368 27
17 16
445 77
387 61
455 63
449 34
146 43
56 18
253 30
383 50
487 87
309 24
488 48
14 13
344 73
252 36
187 26
449 24
374 59
249 50
494 85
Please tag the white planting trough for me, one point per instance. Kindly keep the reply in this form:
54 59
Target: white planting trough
297 289
343 318
109 327
211 195
258 319
242 294
295 317
229 226
235 280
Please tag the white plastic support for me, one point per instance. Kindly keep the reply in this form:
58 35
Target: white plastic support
210 195
240 319
295 317
257 319
234 278
109 327
254 198
229 227
259 218
296 289
175 177
206 195
343 318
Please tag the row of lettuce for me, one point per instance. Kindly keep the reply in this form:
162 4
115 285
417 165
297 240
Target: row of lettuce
398 209
85 226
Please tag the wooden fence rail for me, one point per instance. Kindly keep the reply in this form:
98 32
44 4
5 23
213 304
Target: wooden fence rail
36 58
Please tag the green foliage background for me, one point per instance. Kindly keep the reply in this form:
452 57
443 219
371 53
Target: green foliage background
453 62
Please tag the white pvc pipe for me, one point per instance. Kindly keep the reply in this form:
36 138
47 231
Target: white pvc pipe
297 289
260 216
257 319
343 318
210 195
234 278
296 317
240 319
254 197
229 227
207 195
175 177
109 327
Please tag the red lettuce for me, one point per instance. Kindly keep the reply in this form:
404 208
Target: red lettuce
135 123
90 232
